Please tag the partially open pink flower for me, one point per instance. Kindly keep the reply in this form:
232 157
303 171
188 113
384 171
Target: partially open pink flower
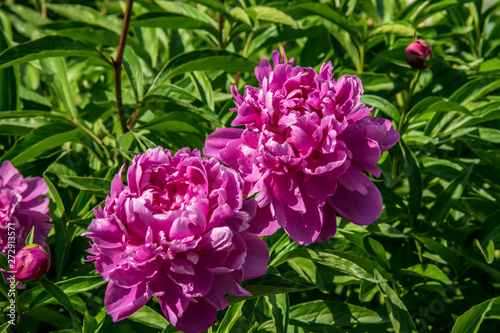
417 54
306 145
176 231
31 262
22 208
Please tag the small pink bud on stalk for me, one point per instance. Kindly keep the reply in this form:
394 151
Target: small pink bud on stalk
31 262
418 54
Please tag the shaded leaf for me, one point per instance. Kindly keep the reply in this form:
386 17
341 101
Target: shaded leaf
46 47
200 60
442 206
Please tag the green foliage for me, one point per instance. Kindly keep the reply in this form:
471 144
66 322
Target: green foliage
430 264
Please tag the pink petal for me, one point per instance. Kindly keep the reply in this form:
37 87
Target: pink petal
122 302
219 139
359 208
257 256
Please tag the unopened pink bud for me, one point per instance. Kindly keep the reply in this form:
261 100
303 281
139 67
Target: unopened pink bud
31 262
417 54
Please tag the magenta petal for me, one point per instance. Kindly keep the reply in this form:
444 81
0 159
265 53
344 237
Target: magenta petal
198 317
356 207
257 256
329 227
263 223
122 302
219 139
305 227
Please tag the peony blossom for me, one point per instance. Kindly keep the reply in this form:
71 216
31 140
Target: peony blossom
418 53
304 150
21 209
31 262
177 231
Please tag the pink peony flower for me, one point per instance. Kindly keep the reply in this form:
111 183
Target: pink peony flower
22 208
31 262
306 144
176 231
418 53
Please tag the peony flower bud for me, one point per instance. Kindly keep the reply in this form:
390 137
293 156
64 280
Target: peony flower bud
31 262
418 53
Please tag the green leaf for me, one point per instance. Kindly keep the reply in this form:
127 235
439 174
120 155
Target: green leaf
444 252
474 90
56 71
415 180
55 197
46 47
50 316
398 29
89 323
322 10
382 104
58 294
87 15
322 314
233 313
307 269
269 284
186 9
204 88
398 313
69 287
174 122
367 290
171 21
149 317
99 187
489 252
271 14
344 262
201 60
4 262
280 306
39 141
442 206
428 271
167 104
133 69
29 239
9 82
471 320
4 327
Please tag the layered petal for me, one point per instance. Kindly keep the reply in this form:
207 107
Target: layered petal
176 231
306 137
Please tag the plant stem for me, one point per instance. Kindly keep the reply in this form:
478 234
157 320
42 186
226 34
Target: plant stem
221 29
44 9
413 85
361 58
402 118
244 53
117 65
134 117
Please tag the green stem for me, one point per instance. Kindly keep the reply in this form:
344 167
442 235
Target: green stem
221 29
117 65
402 118
19 310
244 53
361 58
